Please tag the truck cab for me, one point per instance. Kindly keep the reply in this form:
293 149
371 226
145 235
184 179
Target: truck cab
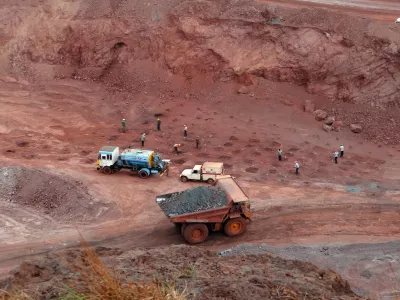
205 172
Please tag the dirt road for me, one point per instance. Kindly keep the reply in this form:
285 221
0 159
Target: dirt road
382 10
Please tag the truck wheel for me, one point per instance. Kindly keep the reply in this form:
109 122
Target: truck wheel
107 170
184 179
210 181
195 233
235 226
143 174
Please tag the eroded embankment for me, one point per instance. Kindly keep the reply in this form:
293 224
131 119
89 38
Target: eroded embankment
342 57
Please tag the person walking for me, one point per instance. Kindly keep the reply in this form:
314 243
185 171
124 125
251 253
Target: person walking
158 124
185 131
143 138
197 142
279 154
336 155
341 150
123 123
297 166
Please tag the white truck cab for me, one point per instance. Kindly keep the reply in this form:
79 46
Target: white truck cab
205 172
398 20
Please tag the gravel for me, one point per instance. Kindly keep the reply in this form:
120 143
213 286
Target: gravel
192 200
59 197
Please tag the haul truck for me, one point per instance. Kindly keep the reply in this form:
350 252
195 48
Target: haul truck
197 217
206 172
143 162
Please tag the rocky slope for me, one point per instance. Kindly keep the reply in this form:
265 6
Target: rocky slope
341 57
202 274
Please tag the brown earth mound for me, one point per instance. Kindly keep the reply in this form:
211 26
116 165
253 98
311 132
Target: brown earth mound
61 198
342 57
202 274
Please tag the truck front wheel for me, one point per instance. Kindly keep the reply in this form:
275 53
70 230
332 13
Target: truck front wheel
210 181
235 226
107 170
195 233
184 179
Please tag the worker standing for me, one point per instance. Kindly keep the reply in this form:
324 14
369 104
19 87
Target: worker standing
143 138
341 150
297 166
123 123
279 154
158 124
197 142
185 131
336 155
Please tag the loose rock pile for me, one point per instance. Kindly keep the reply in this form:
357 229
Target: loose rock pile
193 200
61 198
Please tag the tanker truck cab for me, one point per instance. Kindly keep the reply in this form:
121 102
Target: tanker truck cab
107 158
206 172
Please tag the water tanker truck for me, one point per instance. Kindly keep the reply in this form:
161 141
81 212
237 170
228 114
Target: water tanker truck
201 210
142 162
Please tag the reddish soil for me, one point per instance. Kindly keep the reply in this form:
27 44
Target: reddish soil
202 274
238 82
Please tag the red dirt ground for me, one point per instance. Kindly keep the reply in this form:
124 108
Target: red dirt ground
59 125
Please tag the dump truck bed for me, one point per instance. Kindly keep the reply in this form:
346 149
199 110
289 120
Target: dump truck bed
199 199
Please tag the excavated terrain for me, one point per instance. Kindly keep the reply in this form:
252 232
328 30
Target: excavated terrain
201 273
247 78
344 58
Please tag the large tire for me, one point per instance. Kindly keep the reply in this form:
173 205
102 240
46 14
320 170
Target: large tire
235 226
210 181
184 179
107 170
143 174
195 233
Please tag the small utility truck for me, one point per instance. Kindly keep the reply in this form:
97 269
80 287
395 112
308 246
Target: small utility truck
198 211
142 162
205 172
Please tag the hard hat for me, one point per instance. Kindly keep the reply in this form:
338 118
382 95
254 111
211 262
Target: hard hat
123 119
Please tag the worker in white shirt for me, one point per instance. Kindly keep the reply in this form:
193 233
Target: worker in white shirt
297 166
336 155
341 150
279 154
176 146
185 131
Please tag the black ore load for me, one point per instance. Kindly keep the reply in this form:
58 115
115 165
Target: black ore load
193 200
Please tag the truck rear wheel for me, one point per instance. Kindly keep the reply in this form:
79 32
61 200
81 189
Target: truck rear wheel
143 174
210 181
184 179
235 227
107 170
195 233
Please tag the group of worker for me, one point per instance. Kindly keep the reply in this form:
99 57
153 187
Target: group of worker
336 154
297 165
176 146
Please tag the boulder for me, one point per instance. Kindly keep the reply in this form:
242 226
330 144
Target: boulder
243 90
320 115
326 127
309 106
337 125
329 120
356 128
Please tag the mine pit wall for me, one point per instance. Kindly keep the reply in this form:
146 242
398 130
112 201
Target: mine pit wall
325 52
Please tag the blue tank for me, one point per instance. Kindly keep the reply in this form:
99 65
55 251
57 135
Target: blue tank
145 162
